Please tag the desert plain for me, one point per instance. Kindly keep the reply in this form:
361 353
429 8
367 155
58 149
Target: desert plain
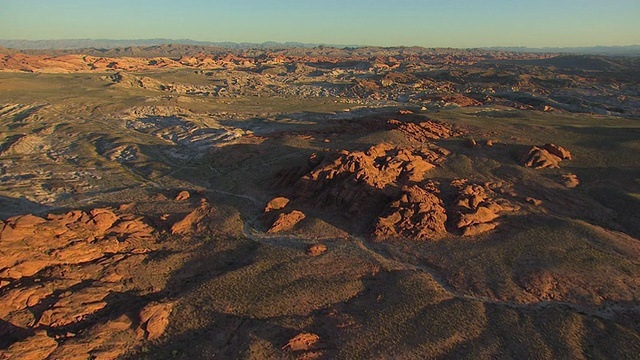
182 202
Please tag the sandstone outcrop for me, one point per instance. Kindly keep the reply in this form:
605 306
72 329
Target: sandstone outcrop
381 167
154 319
182 196
191 222
418 214
286 221
61 271
477 207
317 249
558 151
359 184
38 346
426 130
278 203
74 237
570 180
548 156
302 342
276 217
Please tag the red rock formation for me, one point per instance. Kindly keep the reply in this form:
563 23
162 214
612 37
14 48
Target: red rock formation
477 206
538 158
286 221
74 237
38 346
570 180
418 214
91 253
183 195
317 249
549 156
425 131
302 342
191 222
380 166
360 182
278 203
154 319
558 151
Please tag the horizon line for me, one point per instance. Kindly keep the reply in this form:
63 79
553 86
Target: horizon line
188 41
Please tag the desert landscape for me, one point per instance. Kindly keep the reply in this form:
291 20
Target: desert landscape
187 201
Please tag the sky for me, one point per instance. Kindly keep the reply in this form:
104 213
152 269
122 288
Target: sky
442 23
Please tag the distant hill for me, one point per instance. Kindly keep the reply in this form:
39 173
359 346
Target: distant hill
575 62
70 44
593 50
111 44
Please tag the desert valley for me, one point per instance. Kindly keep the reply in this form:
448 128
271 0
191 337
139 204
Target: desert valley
184 202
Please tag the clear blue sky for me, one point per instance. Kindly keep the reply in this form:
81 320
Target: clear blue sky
455 23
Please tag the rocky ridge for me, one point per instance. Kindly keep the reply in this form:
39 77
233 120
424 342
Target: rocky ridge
60 273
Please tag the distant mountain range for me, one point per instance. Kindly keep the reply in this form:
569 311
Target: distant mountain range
592 50
112 44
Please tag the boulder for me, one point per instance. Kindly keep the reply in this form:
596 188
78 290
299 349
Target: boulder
539 158
570 180
547 156
278 203
558 151
286 221
317 249
154 319
302 342
183 195
533 201
190 222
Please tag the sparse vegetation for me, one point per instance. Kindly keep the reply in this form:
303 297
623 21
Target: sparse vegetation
545 271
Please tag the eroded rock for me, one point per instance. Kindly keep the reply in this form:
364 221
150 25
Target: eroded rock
278 203
70 238
477 207
154 319
182 196
426 130
286 221
302 342
317 249
549 156
38 346
381 167
570 180
418 214
191 222
61 270
558 151
73 306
